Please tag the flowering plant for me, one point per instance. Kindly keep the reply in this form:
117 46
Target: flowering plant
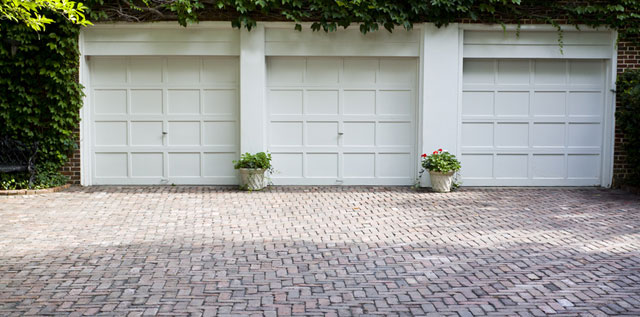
440 161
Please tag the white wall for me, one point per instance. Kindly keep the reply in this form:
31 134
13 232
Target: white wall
440 89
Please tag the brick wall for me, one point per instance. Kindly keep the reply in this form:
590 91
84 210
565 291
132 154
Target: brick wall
72 168
628 58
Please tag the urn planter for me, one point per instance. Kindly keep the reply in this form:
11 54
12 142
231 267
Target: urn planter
252 178
441 182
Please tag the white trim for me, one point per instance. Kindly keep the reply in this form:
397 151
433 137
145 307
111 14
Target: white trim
253 83
608 146
159 24
528 27
85 116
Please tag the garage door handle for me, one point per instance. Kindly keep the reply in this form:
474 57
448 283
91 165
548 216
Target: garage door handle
340 133
165 133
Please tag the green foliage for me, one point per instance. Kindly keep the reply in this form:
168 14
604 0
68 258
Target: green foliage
40 97
371 15
440 161
628 120
260 160
32 12
43 179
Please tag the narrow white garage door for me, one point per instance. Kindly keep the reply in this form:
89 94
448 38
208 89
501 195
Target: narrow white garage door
164 120
342 120
532 122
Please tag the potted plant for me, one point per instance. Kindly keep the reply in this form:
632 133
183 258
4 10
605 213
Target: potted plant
442 166
252 170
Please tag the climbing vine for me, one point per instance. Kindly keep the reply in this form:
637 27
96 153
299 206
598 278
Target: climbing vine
40 97
371 15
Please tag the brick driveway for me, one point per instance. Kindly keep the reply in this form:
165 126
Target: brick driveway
320 251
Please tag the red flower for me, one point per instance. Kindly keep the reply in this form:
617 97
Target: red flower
424 155
435 152
440 150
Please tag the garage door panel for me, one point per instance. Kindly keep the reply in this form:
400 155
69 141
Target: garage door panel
111 164
477 134
359 133
585 135
288 102
544 132
394 102
395 71
287 165
322 70
145 70
219 165
146 133
360 70
109 71
220 102
322 133
512 103
584 166
166 120
184 164
477 166
345 120
359 102
147 165
549 103
146 101
359 165
322 165
515 134
585 103
183 133
183 101
110 101
586 73
183 70
513 72
286 134
477 103
513 166
547 166
550 72
394 165
321 102
393 134
549 134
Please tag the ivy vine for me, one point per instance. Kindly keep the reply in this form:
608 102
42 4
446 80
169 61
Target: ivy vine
372 15
40 97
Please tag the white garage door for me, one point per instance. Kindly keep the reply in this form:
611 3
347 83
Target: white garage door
532 122
164 120
342 120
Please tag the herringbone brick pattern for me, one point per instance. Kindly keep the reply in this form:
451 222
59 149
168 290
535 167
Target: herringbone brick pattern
320 251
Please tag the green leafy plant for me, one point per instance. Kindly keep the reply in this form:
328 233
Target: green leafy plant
628 121
259 160
372 15
33 12
41 97
440 161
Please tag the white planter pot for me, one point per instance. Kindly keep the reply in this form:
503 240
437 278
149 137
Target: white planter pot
441 182
252 178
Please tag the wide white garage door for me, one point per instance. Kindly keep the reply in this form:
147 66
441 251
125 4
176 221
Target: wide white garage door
342 120
164 120
532 122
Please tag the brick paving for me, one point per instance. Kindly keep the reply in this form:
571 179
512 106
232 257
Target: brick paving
320 251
